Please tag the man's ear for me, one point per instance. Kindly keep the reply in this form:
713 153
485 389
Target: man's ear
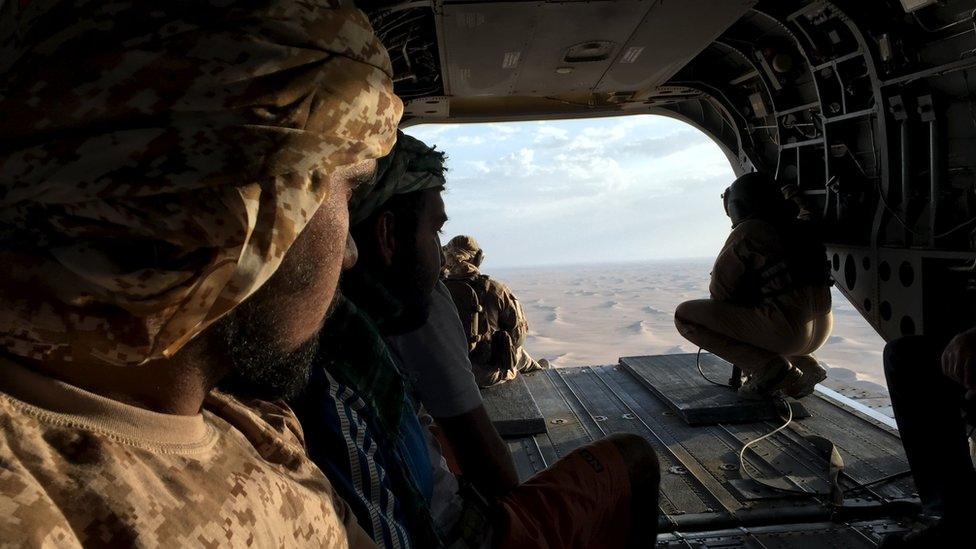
351 253
385 237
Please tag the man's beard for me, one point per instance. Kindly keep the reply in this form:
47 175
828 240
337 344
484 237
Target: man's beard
262 371
406 281
261 368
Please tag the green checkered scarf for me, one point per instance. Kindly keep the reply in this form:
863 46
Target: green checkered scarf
353 351
410 167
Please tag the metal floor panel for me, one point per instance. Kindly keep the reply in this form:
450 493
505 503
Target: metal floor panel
680 494
701 487
697 400
791 536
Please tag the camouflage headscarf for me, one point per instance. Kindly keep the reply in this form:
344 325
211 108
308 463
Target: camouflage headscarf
459 256
157 163
410 167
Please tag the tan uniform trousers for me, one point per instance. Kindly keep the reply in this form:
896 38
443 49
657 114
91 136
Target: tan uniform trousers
506 367
488 376
751 337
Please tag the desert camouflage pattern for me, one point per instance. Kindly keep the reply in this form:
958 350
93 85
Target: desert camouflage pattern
411 166
158 163
459 256
83 471
496 350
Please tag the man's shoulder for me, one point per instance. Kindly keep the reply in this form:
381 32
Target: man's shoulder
755 231
497 287
62 479
265 424
35 520
754 225
480 284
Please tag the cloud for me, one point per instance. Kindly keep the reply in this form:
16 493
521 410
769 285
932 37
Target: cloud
469 140
504 130
659 147
520 160
430 132
627 188
479 166
551 136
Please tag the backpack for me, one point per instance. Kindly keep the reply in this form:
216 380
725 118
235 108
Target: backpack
467 300
485 347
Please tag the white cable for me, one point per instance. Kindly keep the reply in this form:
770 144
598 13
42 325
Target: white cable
702 372
742 452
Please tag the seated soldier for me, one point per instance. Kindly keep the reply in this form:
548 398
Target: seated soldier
490 313
435 359
770 305
930 383
360 415
604 494
162 227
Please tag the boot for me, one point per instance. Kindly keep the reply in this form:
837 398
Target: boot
813 373
771 380
535 366
941 533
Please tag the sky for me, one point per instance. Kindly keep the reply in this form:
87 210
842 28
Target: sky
631 188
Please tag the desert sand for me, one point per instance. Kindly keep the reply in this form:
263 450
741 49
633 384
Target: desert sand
583 315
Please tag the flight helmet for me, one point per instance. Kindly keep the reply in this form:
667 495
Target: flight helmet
754 196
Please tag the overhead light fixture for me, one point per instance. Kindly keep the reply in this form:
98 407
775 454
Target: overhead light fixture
631 54
511 59
585 52
915 5
564 70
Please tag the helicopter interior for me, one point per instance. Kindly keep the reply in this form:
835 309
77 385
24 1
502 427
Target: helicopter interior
864 112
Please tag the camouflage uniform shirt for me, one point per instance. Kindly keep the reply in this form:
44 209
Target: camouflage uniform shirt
78 469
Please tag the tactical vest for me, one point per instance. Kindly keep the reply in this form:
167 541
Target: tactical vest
486 347
468 295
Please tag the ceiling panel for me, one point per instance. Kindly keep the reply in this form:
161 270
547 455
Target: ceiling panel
483 45
670 36
564 25
520 48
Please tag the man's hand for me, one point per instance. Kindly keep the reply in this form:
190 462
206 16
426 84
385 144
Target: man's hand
481 454
959 359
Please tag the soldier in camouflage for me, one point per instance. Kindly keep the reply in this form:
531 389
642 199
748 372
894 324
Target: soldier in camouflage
770 305
174 188
491 314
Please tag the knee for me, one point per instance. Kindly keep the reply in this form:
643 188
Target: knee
642 464
683 316
907 355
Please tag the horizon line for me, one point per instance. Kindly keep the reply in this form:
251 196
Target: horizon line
599 263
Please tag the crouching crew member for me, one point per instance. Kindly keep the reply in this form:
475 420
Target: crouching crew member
491 315
770 295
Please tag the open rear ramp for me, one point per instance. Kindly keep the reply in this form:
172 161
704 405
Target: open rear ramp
702 488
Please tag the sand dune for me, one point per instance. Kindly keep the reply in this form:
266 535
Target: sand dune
680 349
593 314
639 327
552 312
